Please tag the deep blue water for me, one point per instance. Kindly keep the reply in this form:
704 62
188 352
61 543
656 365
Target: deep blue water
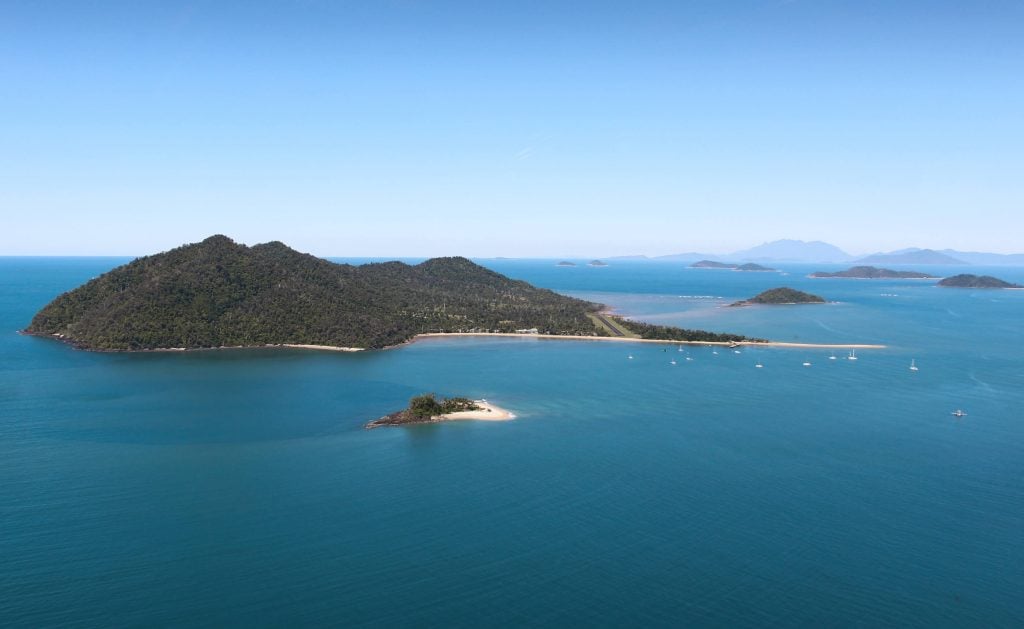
239 488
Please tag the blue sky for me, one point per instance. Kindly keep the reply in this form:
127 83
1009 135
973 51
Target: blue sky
417 128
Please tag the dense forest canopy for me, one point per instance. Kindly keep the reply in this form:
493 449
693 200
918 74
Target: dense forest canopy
220 293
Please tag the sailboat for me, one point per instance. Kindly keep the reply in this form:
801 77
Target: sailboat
758 365
833 356
959 413
913 367
672 362
853 355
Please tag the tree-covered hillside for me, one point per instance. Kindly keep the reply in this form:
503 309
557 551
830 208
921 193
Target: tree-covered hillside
782 295
871 272
967 280
220 293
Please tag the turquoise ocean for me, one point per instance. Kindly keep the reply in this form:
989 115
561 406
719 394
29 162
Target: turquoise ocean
239 488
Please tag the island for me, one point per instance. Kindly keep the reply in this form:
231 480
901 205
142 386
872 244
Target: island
874 273
221 294
966 280
750 266
566 263
711 264
781 296
597 263
427 409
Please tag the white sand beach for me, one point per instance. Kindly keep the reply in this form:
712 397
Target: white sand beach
328 348
623 339
486 412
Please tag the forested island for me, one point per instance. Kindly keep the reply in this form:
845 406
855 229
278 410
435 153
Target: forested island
598 263
781 296
711 264
874 273
967 280
218 293
566 263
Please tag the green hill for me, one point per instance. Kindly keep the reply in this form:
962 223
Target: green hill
968 280
219 293
872 273
711 264
782 295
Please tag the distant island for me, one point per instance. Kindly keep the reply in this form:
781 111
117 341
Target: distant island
874 273
427 409
967 280
781 296
218 293
822 252
598 263
566 263
751 266
711 264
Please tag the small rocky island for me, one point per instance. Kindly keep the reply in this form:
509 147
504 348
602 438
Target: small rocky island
566 263
967 280
427 409
781 296
598 263
875 273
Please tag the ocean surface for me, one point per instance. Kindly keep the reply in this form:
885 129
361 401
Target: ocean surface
239 488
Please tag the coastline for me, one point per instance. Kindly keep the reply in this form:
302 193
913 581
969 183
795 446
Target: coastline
428 335
622 339
327 348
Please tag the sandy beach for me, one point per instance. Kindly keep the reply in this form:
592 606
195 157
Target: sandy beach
329 348
621 339
487 412
551 337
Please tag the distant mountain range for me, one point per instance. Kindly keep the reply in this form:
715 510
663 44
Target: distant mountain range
822 252
986 259
793 251
911 256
